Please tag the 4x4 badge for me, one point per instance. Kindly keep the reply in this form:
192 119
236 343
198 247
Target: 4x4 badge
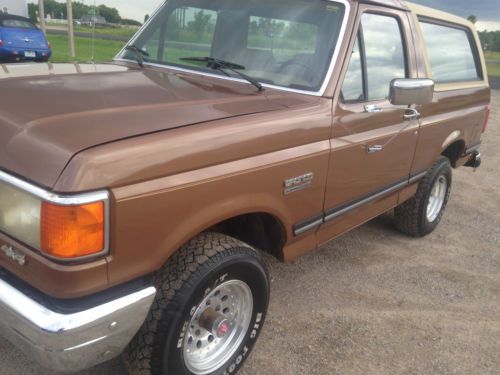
14 255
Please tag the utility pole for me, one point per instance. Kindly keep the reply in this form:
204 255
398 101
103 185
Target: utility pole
71 35
41 14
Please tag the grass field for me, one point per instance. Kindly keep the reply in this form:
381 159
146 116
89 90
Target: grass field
105 50
493 62
492 56
494 70
118 31
108 31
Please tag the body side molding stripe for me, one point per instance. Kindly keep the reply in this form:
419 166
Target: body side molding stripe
308 224
340 210
417 177
331 214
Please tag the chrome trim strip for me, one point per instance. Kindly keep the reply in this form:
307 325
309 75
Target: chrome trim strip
416 177
322 90
66 200
335 213
308 225
72 342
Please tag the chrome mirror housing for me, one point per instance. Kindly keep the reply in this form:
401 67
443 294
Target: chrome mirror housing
411 91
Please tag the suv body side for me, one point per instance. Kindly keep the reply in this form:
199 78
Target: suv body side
229 174
280 170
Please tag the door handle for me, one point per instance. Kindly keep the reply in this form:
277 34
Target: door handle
372 108
411 114
375 148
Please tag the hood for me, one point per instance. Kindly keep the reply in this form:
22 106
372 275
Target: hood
49 113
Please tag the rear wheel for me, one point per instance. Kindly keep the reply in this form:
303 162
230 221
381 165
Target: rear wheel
211 304
420 215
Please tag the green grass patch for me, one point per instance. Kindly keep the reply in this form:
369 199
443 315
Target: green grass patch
492 56
125 32
493 63
105 50
494 70
117 31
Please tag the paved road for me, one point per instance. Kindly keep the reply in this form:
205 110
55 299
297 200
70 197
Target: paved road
377 302
495 83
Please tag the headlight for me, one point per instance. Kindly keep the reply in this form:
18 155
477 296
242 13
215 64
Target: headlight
20 215
61 227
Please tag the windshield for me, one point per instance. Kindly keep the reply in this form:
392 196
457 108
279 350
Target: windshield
18 24
288 43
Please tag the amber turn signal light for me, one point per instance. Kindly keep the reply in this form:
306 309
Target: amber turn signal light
72 231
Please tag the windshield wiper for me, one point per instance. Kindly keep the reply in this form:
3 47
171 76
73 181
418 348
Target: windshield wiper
222 65
139 54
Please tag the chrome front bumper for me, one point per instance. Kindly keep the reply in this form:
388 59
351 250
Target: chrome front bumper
71 342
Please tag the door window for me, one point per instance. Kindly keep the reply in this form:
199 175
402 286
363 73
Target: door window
352 90
378 58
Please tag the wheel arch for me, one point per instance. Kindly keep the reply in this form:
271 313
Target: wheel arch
261 230
263 227
454 151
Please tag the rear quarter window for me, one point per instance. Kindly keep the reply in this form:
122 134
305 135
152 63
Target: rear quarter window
19 24
452 53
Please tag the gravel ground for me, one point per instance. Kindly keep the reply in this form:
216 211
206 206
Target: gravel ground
377 302
495 82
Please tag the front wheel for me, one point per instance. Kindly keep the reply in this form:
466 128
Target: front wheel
211 304
421 214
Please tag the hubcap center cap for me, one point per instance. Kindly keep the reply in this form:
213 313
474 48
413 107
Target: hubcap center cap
214 322
217 327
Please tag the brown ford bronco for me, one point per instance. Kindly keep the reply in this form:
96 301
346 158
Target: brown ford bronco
134 195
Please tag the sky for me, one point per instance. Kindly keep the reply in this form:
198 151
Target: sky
487 11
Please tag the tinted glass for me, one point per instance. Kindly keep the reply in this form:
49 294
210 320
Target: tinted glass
284 39
286 45
189 32
352 90
450 53
385 56
17 24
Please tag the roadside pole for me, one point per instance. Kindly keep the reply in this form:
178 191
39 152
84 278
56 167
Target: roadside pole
41 14
71 35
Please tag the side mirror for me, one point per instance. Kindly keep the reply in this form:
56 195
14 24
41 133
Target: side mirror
411 91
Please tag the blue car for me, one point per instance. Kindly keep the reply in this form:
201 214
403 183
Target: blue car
21 40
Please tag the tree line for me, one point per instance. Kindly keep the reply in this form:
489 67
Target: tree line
58 10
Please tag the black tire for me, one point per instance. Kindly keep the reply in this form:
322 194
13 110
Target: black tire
411 216
205 262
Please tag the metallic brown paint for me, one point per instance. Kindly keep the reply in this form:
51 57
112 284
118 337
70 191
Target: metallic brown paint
183 152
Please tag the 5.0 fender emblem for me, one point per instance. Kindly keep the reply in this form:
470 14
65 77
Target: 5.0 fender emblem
13 254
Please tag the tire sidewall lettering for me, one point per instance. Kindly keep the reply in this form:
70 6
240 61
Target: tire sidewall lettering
255 277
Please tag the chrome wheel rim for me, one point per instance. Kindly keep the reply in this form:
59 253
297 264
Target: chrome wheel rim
437 198
218 327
